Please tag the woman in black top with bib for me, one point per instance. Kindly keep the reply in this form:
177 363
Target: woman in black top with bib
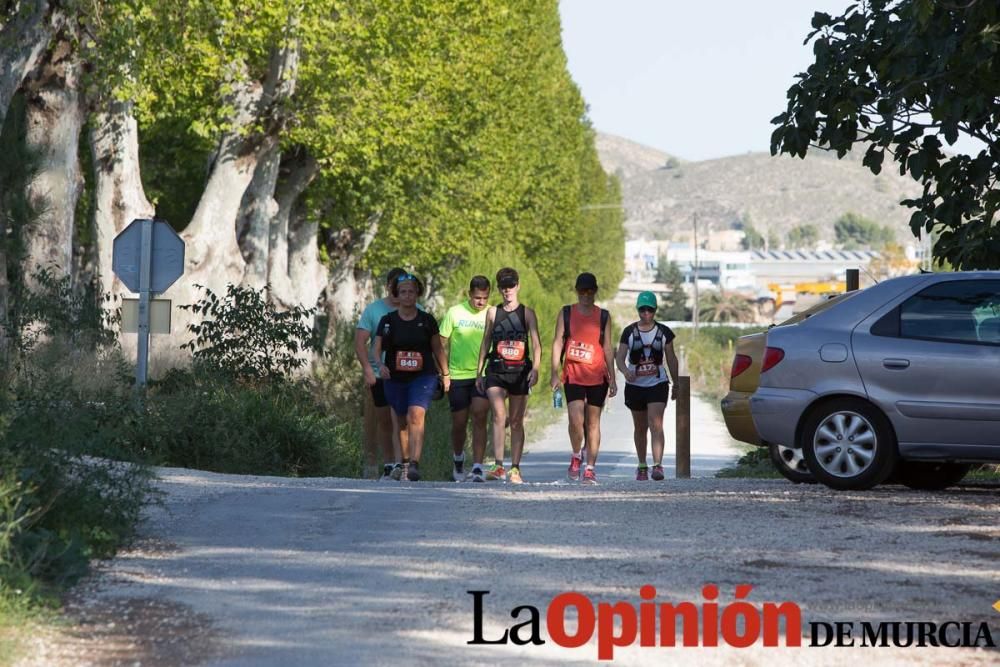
509 356
413 354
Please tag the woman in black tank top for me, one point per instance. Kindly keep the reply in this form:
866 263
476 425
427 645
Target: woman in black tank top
508 363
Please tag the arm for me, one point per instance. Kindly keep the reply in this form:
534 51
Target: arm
536 346
557 349
445 344
672 366
609 360
620 362
361 338
442 359
383 371
484 347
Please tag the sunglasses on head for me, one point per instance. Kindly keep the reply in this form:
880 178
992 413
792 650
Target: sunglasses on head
406 276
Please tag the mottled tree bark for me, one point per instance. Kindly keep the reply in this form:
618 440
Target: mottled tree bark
54 119
256 212
119 197
297 276
343 291
23 40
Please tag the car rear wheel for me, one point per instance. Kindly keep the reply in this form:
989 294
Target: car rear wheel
930 475
848 444
789 462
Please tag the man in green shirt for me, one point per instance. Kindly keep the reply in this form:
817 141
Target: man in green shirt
461 332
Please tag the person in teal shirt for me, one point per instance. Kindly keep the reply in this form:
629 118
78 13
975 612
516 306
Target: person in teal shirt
461 332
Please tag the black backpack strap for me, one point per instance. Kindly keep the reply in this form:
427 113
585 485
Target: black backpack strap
605 316
565 316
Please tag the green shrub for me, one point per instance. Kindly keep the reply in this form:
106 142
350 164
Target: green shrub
66 419
199 420
710 357
64 496
756 462
245 336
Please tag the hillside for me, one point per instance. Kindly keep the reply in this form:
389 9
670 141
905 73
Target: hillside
628 158
776 193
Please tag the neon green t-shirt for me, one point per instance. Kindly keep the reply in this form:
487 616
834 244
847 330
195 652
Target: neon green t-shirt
464 328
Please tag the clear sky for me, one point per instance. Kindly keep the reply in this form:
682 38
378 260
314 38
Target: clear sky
698 79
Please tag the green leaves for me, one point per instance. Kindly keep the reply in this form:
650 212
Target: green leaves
243 336
898 76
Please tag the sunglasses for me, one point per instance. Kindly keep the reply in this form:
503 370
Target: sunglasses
586 290
647 309
406 276
507 286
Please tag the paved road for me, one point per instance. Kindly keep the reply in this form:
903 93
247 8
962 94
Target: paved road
268 571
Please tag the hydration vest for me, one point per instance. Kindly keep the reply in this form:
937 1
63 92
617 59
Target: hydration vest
636 348
509 341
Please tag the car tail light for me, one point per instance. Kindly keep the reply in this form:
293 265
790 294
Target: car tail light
740 363
772 356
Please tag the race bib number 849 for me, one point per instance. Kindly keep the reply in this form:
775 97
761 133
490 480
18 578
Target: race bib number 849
409 361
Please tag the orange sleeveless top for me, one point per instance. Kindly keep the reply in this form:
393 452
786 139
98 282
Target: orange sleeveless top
583 361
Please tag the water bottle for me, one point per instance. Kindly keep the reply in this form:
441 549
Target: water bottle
557 398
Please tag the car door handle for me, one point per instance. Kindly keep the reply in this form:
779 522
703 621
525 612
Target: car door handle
896 363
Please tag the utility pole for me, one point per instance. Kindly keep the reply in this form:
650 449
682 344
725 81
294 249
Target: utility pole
694 313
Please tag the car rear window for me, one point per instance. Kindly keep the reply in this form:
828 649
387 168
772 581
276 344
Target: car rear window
817 308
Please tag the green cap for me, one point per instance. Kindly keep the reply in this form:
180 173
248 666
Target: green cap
645 299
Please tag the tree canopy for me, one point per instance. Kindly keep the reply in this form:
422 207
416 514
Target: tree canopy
904 78
455 122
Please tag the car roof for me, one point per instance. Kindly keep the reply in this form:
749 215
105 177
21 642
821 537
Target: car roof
849 312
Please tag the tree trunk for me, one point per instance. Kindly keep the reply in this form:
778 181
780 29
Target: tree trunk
297 277
256 212
343 293
119 197
23 40
54 119
213 255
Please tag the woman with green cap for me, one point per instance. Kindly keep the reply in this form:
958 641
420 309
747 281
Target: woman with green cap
645 354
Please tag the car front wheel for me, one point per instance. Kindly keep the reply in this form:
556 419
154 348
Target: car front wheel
789 462
848 444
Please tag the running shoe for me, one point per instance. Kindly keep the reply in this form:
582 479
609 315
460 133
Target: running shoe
477 475
574 469
657 473
397 472
514 477
458 472
386 473
496 473
413 472
642 474
589 477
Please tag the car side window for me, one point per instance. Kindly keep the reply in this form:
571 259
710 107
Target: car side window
959 311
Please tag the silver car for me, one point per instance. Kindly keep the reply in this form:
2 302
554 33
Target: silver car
902 377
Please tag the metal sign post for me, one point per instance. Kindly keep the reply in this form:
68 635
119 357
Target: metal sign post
145 261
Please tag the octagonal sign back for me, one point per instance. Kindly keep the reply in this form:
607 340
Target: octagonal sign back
166 258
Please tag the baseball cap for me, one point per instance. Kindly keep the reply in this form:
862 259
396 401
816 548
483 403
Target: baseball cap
645 300
586 281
